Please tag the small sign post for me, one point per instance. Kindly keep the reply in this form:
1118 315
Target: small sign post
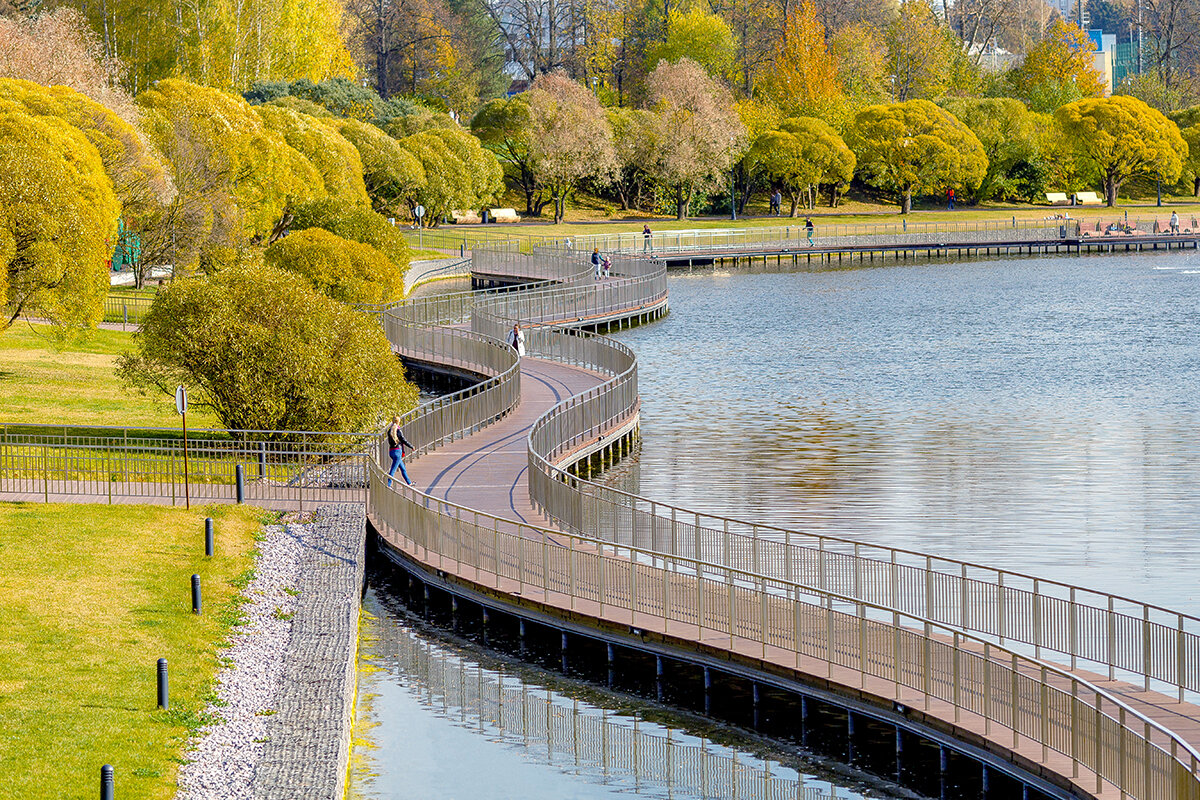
181 406
419 213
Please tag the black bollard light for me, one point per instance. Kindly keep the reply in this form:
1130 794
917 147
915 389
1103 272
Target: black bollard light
241 485
164 701
106 782
208 537
195 594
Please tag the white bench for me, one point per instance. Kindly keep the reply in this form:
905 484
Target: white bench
503 215
1088 199
1057 198
465 218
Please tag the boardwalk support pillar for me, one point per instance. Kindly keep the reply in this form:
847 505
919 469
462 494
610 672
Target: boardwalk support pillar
899 755
454 613
754 700
943 766
612 672
850 738
425 600
564 652
658 678
483 629
707 690
521 635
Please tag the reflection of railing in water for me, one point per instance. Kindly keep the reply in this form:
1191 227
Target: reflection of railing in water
613 748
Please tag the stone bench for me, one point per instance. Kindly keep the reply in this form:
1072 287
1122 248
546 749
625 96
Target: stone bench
503 215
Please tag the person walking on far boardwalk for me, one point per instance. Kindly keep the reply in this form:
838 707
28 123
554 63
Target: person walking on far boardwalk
808 228
950 199
1174 222
597 262
396 445
647 246
516 340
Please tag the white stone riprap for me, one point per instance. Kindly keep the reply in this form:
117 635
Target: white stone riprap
226 754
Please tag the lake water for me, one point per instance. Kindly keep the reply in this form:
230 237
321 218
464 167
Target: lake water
439 719
1039 414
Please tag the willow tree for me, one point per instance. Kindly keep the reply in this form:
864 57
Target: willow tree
391 173
347 271
915 148
335 158
571 137
58 218
697 133
1121 137
804 154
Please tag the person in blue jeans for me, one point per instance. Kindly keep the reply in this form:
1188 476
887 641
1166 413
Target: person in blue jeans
396 445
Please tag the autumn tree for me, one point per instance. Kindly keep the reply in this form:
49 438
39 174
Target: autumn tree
633 148
922 53
696 131
391 174
459 173
347 271
699 35
570 137
357 224
335 158
263 350
802 155
1057 70
1118 138
862 56
806 72
505 127
1011 138
915 148
58 219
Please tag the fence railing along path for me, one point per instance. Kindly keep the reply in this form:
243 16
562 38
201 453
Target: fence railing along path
724 594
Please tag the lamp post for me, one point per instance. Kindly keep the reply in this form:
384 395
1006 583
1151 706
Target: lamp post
732 184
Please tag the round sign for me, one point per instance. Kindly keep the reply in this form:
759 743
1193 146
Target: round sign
181 399
419 211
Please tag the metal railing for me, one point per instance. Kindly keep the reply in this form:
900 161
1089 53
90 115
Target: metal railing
981 686
122 465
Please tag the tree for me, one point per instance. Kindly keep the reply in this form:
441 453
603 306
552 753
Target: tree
699 35
697 133
862 54
633 148
347 271
915 148
922 53
335 158
1174 36
459 173
1191 137
806 72
358 224
1119 138
265 351
571 139
505 127
1057 70
1011 139
391 174
58 219
803 154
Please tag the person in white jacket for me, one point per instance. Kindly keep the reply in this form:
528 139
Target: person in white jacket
516 340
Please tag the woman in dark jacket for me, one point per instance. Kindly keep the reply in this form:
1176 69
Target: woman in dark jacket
396 445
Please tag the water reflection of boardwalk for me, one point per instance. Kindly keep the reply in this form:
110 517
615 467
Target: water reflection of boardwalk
616 749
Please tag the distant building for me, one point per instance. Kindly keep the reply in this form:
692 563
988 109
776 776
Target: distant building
1104 47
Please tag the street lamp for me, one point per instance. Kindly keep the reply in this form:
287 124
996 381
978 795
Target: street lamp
732 183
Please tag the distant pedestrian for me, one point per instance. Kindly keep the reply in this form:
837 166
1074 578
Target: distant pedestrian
605 267
950 199
1174 222
777 202
647 245
516 340
808 228
570 246
396 445
597 262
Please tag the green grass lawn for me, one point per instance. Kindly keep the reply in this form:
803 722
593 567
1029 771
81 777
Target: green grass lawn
76 384
90 598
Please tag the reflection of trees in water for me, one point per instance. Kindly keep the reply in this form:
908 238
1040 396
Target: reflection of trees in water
608 747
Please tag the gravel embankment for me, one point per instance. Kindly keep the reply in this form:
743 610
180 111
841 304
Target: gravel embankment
223 764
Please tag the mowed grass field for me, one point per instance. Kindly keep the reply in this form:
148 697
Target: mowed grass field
90 598
76 383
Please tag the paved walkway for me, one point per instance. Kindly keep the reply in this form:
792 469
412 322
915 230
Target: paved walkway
488 470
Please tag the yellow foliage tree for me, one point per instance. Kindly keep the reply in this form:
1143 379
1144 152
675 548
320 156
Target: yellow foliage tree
806 73
58 219
1060 66
335 158
348 271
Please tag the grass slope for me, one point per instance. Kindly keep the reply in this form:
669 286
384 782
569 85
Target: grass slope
89 600
76 384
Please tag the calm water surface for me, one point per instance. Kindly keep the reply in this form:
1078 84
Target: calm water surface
442 720
1039 414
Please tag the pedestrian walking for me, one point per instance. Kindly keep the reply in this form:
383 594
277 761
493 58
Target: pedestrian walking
1174 222
808 228
647 245
777 202
950 199
516 340
597 262
396 445
605 266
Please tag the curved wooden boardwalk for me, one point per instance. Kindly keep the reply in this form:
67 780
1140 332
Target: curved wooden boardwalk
488 470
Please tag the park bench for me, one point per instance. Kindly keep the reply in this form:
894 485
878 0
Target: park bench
1057 198
1088 199
503 215
465 218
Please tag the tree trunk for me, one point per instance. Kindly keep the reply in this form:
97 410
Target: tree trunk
1110 191
1196 186
680 207
906 202
795 202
